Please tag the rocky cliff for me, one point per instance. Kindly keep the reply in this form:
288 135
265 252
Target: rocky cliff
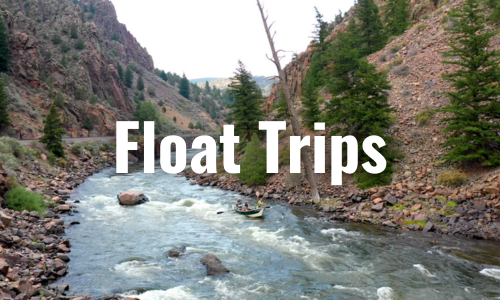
47 58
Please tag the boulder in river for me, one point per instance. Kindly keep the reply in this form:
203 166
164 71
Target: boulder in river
214 265
176 252
132 198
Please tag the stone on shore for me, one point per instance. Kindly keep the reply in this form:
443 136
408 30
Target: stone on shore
129 198
214 265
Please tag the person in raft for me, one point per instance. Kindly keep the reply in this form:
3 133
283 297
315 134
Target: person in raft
260 203
245 207
238 204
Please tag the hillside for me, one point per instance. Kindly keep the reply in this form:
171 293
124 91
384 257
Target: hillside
419 88
73 49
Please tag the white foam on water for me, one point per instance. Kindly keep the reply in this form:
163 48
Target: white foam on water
494 273
385 293
341 287
337 233
176 293
136 268
423 270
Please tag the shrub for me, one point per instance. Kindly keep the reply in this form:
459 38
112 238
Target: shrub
77 148
105 146
163 109
413 51
452 178
59 100
151 92
79 44
451 204
397 61
9 160
35 153
20 199
17 149
64 48
401 70
421 27
253 164
284 157
87 123
92 148
61 162
175 119
81 94
191 125
56 39
424 117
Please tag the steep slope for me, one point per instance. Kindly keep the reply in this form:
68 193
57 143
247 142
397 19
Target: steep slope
47 57
414 63
263 82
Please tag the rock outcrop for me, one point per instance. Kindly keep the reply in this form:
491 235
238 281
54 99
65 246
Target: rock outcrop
214 265
130 198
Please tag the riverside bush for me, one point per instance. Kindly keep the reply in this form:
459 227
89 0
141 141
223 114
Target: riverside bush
77 148
20 199
10 152
17 148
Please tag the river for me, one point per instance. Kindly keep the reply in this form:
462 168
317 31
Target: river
289 254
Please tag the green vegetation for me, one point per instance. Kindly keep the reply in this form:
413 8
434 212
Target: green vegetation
129 77
424 117
420 223
147 112
245 110
371 30
4 48
79 44
53 132
396 16
191 125
284 157
253 164
281 108
4 114
20 199
81 94
11 151
175 119
184 89
87 123
64 48
56 39
121 73
140 83
59 100
76 148
452 178
310 96
475 98
73 32
451 204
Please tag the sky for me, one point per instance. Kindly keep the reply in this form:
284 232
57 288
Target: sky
206 38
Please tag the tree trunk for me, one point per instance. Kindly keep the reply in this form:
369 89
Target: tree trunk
291 110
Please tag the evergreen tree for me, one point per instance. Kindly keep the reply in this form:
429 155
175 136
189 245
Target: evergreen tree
53 132
475 98
163 75
121 74
4 48
73 32
371 29
146 112
282 108
495 14
191 126
87 123
310 112
59 100
321 31
184 89
129 77
253 164
207 88
140 83
396 16
4 115
246 109
175 119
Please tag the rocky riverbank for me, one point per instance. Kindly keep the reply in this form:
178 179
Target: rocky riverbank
471 211
33 250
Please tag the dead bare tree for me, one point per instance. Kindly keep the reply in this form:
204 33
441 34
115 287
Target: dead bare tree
291 110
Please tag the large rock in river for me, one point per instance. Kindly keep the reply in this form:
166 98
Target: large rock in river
214 265
132 198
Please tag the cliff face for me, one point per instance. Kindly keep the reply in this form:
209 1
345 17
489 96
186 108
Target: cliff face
43 37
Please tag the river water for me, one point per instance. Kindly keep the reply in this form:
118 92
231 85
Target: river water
289 254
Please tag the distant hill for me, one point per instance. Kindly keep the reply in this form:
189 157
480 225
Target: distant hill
222 83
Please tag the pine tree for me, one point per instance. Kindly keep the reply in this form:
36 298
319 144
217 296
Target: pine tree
320 32
475 98
59 100
310 112
4 48
120 72
207 88
73 32
163 75
191 126
87 123
281 108
129 77
184 89
4 115
371 29
246 109
140 83
253 164
495 14
53 132
396 16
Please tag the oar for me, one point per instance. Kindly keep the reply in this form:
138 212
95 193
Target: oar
221 212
